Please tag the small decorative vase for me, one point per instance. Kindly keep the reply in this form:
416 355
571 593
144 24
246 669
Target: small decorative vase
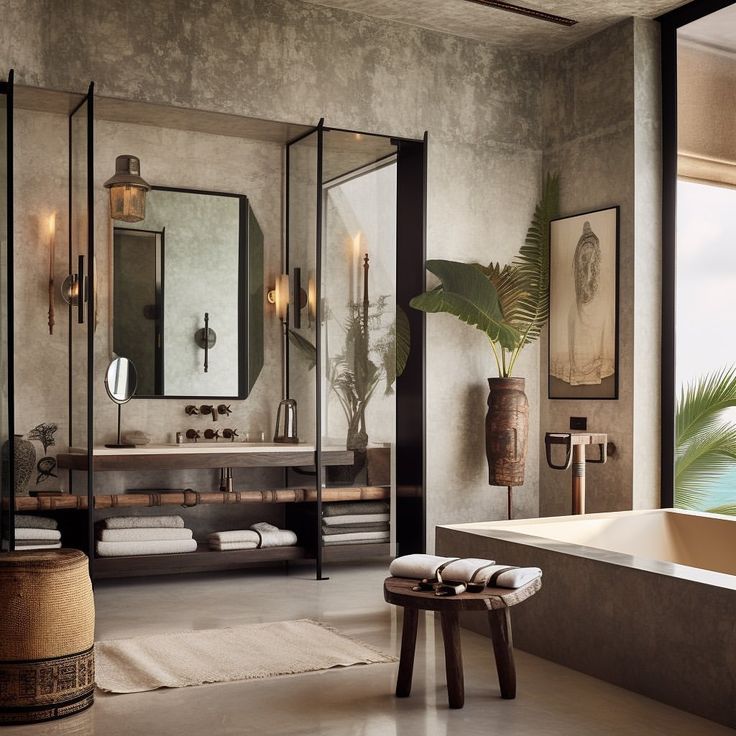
507 431
25 462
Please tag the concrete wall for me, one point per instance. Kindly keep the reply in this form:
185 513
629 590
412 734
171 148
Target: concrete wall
601 133
285 60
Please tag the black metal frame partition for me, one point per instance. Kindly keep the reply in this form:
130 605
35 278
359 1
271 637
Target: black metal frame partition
670 23
86 297
7 515
411 158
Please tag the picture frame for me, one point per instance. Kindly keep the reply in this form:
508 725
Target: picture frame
583 338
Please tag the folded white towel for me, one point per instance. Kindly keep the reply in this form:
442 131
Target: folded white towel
354 519
224 546
49 545
236 535
469 570
327 541
359 536
279 538
36 534
27 521
505 576
419 567
122 549
264 526
151 534
142 522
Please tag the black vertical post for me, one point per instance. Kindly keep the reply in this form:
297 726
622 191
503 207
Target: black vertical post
10 530
319 470
91 319
411 206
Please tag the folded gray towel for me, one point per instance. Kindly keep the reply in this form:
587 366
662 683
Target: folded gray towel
354 519
150 534
142 522
360 536
53 534
124 549
45 545
331 541
26 521
380 526
355 507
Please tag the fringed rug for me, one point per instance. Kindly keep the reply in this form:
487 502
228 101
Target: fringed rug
249 652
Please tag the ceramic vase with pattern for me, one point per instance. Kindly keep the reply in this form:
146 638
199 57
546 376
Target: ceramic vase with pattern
25 461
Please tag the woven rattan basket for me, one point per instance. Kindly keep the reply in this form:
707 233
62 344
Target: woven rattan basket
48 625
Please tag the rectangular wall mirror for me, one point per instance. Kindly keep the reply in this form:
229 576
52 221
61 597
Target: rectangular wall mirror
196 258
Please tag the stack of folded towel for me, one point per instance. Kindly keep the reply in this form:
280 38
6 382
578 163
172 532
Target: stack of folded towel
119 536
36 532
258 536
470 573
355 522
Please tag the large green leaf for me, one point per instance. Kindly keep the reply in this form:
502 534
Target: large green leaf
726 508
466 293
702 401
532 263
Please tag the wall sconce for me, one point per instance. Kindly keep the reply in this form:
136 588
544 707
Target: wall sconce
127 190
70 289
299 298
312 299
52 258
279 296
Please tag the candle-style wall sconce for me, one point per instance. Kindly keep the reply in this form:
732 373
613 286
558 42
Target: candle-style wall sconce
52 259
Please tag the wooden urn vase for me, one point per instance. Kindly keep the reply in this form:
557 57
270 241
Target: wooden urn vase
507 431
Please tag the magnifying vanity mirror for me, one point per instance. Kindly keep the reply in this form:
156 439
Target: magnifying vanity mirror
192 267
120 383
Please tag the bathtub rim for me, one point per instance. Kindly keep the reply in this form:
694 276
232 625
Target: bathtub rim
503 530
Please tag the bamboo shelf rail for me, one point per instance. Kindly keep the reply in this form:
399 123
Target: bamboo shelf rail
194 498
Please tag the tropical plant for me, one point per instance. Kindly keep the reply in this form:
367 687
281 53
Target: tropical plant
372 351
510 303
705 444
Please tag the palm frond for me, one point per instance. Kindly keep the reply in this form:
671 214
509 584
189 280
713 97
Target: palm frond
510 289
532 262
701 462
701 403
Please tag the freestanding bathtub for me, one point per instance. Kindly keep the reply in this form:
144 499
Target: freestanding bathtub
643 599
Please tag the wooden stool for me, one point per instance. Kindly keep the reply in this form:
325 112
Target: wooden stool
47 617
497 601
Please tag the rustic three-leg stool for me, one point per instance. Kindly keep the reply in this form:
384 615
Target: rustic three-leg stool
497 601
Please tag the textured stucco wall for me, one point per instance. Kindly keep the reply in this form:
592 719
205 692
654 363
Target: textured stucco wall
601 123
286 60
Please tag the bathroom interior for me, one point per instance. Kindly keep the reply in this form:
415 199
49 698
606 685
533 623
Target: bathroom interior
212 316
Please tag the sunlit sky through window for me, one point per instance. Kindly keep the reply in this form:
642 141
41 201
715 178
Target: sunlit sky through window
706 279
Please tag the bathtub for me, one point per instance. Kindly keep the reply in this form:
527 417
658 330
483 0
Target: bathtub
642 599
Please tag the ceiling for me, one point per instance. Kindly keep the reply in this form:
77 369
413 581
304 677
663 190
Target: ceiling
717 30
502 28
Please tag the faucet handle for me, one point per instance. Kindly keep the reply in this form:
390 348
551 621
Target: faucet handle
224 410
191 410
209 409
212 434
193 434
230 434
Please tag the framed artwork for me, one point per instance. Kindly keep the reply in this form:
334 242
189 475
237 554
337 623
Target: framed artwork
583 306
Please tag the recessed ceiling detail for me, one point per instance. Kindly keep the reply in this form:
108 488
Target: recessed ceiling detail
478 21
529 12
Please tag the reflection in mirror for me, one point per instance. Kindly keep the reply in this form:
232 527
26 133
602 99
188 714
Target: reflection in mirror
197 256
120 384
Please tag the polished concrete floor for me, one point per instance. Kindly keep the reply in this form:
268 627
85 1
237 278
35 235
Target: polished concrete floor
357 700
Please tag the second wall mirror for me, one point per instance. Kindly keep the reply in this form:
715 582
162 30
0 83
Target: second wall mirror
197 257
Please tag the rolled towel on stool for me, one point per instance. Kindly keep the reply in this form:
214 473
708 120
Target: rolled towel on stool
469 570
506 576
419 566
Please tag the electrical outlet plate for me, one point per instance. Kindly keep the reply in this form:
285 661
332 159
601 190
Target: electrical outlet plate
579 423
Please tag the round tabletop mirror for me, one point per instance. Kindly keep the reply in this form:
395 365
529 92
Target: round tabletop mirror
120 380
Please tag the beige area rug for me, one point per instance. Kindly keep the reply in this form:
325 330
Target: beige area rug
249 652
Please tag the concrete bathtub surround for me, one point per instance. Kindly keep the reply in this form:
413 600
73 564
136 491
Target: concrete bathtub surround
642 599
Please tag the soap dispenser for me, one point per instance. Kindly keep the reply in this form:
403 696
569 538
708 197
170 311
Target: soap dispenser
286 431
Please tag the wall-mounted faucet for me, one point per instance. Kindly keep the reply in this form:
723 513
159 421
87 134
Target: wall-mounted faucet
230 434
191 410
224 410
192 434
208 409
212 434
